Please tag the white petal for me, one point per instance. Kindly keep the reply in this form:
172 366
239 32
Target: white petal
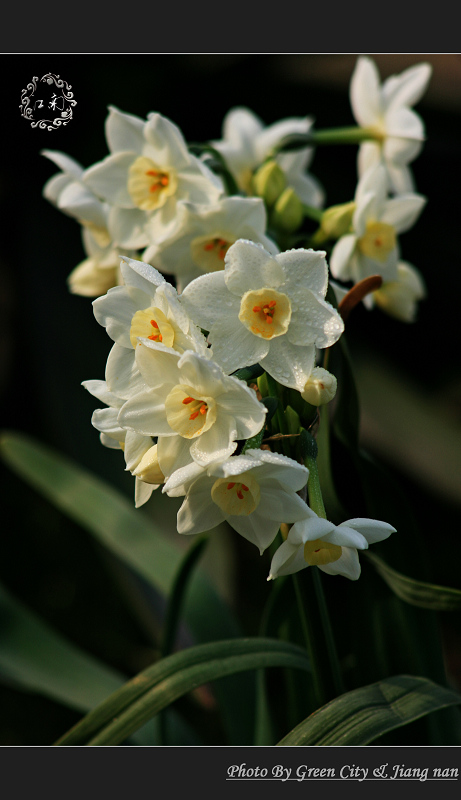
122 374
258 530
234 346
142 492
166 141
124 131
341 256
80 202
290 364
287 559
198 512
403 211
407 88
372 529
207 299
217 443
114 311
108 179
304 268
173 453
127 227
140 275
158 364
144 414
348 565
365 92
65 163
248 266
314 322
405 123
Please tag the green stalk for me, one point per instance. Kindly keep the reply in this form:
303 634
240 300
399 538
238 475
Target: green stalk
276 391
316 503
352 135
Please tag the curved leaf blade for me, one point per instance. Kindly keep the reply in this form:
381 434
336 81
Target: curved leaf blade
160 685
362 715
417 593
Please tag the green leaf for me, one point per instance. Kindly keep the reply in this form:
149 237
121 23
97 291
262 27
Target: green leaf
362 715
135 539
160 685
39 659
417 593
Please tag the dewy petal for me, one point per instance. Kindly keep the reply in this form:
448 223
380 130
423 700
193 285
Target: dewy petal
241 402
201 373
290 364
234 346
341 255
105 421
108 179
403 211
207 299
248 267
285 471
365 92
124 131
315 321
407 88
217 443
348 565
306 268
140 275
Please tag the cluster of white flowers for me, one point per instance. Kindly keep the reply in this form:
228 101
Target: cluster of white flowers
189 259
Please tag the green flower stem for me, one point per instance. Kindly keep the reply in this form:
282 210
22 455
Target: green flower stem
316 503
313 213
312 644
276 391
353 135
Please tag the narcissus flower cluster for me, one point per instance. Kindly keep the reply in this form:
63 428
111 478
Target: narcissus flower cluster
211 267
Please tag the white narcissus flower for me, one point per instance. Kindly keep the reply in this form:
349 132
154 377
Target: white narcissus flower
197 412
254 493
400 298
146 306
66 190
372 248
140 451
246 143
333 548
203 235
266 309
386 110
148 171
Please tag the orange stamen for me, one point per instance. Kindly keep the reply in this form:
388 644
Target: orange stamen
256 309
239 494
272 303
245 488
203 409
153 323
188 400
230 485
194 415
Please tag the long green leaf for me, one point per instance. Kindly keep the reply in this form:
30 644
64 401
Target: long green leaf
38 659
362 715
160 685
417 593
136 539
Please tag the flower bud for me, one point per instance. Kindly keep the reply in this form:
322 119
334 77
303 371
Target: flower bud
400 298
320 388
288 211
337 220
269 182
148 469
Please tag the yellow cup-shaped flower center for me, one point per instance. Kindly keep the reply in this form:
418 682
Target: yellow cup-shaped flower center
208 252
149 185
151 323
265 312
238 495
378 241
318 553
189 413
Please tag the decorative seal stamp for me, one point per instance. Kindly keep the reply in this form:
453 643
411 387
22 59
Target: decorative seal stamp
50 93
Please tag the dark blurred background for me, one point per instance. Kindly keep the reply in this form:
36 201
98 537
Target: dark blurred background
409 375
